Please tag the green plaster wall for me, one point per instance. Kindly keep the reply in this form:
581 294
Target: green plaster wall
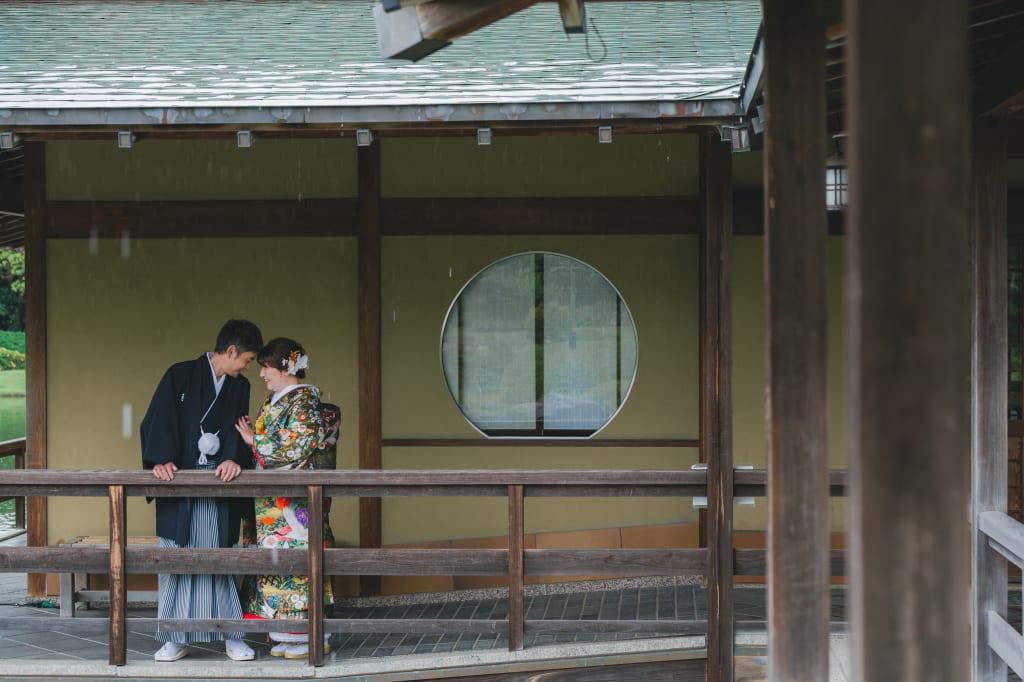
658 278
637 165
116 321
120 313
749 439
175 170
748 172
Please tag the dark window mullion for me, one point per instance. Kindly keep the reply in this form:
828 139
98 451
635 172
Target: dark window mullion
538 340
460 349
618 351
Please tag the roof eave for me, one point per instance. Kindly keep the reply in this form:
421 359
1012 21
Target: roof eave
278 114
753 85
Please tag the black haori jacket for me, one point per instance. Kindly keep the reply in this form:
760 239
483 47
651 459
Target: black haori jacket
170 433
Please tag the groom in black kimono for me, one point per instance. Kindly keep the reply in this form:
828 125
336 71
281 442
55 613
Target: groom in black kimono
190 425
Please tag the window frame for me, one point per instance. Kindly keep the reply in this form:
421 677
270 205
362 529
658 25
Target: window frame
539 432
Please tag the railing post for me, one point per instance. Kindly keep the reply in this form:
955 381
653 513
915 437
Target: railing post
315 551
19 502
515 568
988 385
118 592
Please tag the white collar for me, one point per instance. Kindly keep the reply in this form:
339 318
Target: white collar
217 383
285 391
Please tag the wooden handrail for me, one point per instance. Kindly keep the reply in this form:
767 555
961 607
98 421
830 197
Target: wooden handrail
754 482
121 559
15 448
1005 534
360 483
1006 537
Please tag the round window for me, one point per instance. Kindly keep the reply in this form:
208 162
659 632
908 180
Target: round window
539 345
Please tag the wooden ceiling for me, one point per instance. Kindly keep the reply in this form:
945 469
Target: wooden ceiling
12 164
996 35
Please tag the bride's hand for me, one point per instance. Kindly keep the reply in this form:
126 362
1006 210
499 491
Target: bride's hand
244 428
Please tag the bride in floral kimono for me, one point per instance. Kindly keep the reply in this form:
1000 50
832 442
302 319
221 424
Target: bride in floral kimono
293 430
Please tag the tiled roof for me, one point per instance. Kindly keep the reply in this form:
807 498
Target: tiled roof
67 54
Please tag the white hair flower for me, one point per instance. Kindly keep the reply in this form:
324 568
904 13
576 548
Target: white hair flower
297 361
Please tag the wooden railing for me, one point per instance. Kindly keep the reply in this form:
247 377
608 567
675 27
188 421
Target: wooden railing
1006 537
15 448
516 562
754 562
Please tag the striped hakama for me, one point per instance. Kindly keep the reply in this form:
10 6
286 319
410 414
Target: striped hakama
198 596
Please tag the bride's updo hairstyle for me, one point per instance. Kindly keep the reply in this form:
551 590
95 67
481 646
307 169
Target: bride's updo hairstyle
286 355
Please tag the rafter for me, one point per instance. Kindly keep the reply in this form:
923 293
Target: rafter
416 31
999 86
574 18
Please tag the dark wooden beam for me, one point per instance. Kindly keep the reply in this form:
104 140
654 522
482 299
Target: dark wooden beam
989 383
907 350
35 343
12 197
999 86
748 219
716 397
796 286
540 215
398 217
198 219
370 415
417 31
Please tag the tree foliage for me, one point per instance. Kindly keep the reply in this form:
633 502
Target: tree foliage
12 289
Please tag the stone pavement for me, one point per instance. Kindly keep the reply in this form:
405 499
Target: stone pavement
54 652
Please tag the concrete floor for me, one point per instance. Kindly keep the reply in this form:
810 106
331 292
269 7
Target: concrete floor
56 653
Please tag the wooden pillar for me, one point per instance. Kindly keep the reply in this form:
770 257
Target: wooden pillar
35 343
716 397
797 322
370 425
989 383
907 340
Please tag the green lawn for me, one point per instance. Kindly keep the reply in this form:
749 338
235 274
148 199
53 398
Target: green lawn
12 425
12 381
12 418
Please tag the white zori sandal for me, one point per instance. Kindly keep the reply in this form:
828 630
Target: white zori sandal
293 645
170 652
237 650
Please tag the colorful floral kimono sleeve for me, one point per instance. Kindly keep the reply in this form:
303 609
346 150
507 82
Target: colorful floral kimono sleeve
288 434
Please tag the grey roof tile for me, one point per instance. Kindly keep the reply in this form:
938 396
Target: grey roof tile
195 53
